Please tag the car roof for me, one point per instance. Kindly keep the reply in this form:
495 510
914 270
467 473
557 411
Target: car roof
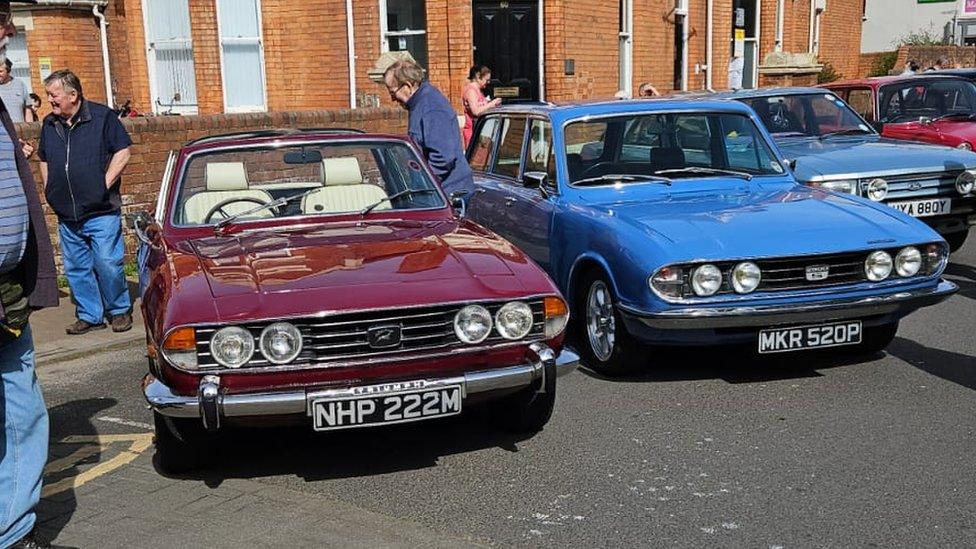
969 72
581 109
763 92
878 81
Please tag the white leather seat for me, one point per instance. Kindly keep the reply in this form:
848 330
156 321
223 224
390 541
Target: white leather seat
225 180
343 189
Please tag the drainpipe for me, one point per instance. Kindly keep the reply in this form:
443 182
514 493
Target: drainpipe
351 46
780 8
709 24
103 25
684 50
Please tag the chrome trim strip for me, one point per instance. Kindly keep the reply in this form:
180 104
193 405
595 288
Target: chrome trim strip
162 399
885 173
744 316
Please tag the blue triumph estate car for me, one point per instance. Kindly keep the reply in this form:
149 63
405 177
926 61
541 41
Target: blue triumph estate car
670 222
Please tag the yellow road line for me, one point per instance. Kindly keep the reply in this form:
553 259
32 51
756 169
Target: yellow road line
140 442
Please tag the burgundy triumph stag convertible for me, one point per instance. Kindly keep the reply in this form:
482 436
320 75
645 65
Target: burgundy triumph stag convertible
323 275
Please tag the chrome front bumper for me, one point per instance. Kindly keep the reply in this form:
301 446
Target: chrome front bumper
690 318
210 404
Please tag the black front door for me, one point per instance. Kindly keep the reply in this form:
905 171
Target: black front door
506 40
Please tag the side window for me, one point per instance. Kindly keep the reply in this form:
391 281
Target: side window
484 143
510 147
540 147
742 146
861 101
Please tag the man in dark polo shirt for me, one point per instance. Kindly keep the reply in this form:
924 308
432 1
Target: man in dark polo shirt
28 281
83 150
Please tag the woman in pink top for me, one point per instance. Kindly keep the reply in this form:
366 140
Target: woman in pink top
474 99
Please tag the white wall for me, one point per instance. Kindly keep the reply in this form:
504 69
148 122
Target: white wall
887 21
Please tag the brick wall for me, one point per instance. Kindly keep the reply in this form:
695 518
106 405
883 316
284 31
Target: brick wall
869 62
82 53
926 56
206 57
154 137
840 36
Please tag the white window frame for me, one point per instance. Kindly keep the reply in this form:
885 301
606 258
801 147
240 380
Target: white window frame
260 43
386 33
151 65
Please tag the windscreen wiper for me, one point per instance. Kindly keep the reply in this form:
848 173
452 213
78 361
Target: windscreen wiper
219 226
405 192
614 177
707 171
846 131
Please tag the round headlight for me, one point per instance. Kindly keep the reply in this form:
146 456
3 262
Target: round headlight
908 261
280 343
965 182
877 266
877 189
472 324
746 277
232 346
514 320
706 280
965 146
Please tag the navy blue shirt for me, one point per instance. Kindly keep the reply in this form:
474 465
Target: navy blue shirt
434 126
77 157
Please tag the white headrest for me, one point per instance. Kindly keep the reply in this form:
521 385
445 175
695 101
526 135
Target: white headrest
226 176
343 170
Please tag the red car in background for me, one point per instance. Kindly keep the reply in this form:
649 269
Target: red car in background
932 108
323 277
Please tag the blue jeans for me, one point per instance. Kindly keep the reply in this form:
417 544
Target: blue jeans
92 251
23 441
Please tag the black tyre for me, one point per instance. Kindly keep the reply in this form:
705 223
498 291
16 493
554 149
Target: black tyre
956 240
601 336
527 411
181 444
877 338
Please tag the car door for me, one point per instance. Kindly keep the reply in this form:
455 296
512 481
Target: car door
150 254
531 208
896 108
481 204
489 205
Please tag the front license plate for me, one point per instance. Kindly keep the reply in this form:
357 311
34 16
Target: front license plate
924 208
783 340
331 413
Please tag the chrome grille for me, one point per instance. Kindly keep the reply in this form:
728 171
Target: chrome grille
920 185
785 274
342 338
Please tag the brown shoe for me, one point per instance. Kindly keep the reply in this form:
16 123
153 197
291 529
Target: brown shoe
122 323
82 327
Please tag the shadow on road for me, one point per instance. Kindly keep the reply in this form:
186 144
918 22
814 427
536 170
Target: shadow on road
258 452
965 277
71 418
955 367
735 365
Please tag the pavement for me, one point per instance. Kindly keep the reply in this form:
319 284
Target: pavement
52 345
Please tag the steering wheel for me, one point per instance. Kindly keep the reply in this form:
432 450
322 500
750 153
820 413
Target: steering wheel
596 170
219 207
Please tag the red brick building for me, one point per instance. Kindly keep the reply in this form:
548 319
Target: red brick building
219 56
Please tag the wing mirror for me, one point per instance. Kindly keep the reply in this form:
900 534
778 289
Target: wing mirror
139 222
790 163
458 199
536 180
